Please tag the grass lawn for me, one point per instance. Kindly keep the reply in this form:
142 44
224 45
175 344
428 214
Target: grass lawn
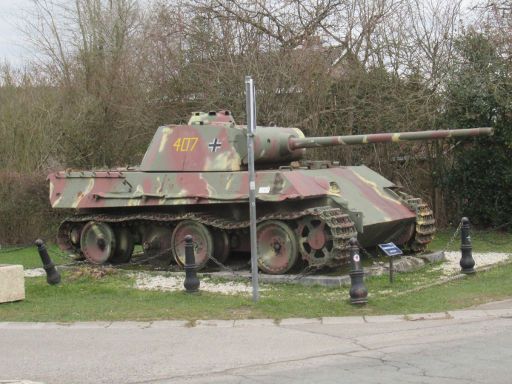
85 296
29 257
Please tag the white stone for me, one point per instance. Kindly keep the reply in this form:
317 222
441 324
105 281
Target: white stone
12 283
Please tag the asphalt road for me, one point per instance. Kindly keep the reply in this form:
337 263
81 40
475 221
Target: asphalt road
454 347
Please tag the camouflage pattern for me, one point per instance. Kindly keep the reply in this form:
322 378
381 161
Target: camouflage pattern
193 180
312 142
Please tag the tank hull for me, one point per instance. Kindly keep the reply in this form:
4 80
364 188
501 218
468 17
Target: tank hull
321 208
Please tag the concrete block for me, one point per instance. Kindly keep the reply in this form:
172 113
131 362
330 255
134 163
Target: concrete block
12 283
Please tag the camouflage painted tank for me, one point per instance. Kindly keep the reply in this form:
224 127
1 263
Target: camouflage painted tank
193 180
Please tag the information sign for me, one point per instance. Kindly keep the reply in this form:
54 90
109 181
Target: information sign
390 249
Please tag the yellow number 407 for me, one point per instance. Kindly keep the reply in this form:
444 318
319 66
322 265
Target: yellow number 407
185 144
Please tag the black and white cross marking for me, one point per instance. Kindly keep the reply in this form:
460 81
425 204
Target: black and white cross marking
214 145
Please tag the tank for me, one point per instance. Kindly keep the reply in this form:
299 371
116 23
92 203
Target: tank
193 180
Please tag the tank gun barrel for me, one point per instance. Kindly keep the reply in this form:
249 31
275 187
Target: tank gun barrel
328 141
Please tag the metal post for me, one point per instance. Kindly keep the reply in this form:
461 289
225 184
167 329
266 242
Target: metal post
358 292
466 261
250 100
191 282
390 269
52 275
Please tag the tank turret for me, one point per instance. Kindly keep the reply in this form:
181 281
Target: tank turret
213 142
193 180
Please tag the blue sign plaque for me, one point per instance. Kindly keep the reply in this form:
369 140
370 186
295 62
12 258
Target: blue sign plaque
390 249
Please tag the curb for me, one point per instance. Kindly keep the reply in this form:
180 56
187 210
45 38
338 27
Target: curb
462 315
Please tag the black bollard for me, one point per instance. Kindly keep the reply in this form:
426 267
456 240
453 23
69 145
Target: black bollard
191 281
358 292
466 261
52 275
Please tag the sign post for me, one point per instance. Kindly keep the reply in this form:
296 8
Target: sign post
250 99
390 250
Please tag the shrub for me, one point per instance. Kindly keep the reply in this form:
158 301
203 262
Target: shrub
25 212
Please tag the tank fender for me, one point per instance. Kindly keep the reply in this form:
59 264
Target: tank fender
357 217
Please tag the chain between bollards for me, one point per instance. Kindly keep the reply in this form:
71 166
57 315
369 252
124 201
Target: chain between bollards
358 292
52 275
467 262
191 281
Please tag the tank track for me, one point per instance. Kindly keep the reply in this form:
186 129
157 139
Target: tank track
341 226
425 225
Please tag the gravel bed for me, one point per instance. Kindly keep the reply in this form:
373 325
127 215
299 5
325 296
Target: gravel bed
175 283
35 272
452 266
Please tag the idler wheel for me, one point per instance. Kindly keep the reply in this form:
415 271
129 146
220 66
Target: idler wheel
315 239
124 246
201 238
277 247
97 242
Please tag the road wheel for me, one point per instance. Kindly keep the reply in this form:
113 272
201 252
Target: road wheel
315 238
97 242
277 247
124 246
201 238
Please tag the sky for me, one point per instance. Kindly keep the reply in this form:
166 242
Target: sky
13 44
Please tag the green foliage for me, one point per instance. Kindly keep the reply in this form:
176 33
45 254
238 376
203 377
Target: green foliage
25 212
481 241
478 94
